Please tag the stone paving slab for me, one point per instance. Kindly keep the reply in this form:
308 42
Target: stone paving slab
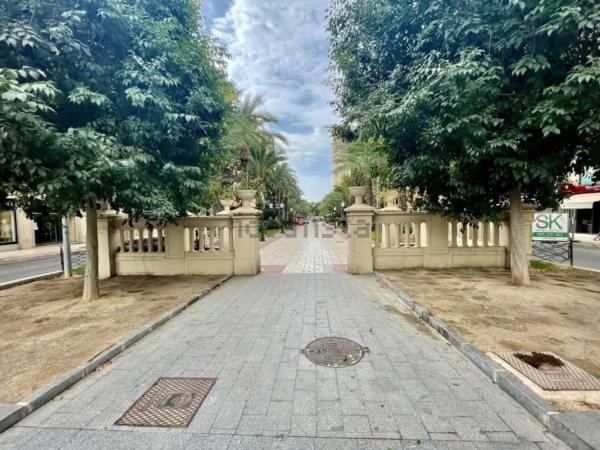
412 390
312 248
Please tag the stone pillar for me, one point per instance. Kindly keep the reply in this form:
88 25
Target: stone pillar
246 236
246 241
437 254
108 242
175 241
360 247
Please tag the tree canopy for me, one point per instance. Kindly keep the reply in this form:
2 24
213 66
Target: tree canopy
121 100
474 99
482 104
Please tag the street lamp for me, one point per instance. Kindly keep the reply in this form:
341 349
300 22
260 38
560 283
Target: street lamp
291 218
282 206
343 213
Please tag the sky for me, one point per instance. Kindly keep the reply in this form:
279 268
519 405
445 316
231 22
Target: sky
279 50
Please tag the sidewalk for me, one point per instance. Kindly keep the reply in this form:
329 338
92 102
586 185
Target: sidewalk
586 239
38 252
410 391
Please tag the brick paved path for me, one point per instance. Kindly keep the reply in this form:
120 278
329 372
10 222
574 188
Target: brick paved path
411 391
312 248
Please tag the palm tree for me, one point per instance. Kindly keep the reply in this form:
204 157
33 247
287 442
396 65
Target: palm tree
282 185
263 161
247 126
366 162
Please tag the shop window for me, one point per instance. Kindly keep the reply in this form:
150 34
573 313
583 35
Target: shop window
8 227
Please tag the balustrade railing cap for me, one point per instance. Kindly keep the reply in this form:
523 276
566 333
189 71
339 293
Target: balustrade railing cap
364 208
246 211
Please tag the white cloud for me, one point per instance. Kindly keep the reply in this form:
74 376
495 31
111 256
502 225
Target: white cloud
279 50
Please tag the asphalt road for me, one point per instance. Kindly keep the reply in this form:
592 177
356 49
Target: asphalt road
587 257
16 270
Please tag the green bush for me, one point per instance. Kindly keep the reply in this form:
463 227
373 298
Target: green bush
273 224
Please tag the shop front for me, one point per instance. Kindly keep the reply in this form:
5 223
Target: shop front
8 227
583 204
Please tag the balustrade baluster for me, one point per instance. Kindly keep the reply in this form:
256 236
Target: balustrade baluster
486 234
406 234
211 237
454 233
476 234
160 240
140 240
122 240
192 239
418 234
496 235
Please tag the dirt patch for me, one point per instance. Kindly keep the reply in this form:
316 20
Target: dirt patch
47 329
559 312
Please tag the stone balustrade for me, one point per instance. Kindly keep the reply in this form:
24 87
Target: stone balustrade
218 245
392 239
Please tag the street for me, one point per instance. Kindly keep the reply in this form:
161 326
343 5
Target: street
586 256
15 270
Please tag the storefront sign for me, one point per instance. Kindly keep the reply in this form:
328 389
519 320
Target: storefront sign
551 227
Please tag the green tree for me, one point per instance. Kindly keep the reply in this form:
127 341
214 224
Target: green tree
128 97
483 105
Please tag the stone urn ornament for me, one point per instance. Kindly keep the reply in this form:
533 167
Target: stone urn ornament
359 193
247 196
390 201
227 204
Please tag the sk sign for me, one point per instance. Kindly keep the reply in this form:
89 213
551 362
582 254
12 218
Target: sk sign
550 227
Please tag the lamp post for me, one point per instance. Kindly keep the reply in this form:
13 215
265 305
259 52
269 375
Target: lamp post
343 213
282 206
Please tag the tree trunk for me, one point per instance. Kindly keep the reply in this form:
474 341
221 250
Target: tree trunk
518 241
91 285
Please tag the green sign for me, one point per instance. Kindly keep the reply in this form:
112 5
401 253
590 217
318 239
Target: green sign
551 227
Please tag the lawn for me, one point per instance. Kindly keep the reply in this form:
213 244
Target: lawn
47 330
558 312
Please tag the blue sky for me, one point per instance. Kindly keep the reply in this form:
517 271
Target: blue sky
279 50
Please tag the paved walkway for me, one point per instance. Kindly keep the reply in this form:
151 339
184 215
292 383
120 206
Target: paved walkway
312 248
411 391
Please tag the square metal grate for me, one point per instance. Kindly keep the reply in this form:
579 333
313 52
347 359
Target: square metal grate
563 376
169 403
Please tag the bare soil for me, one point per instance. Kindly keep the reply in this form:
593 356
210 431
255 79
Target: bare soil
559 312
48 330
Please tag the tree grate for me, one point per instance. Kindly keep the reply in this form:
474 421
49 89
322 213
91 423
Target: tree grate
551 372
169 403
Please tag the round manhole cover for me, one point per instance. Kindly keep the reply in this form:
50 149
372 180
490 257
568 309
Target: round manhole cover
334 352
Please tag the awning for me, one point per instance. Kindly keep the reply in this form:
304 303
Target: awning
581 201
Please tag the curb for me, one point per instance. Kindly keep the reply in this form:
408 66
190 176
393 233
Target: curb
26 280
11 414
510 384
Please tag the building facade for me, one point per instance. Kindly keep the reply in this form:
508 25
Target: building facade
18 232
583 203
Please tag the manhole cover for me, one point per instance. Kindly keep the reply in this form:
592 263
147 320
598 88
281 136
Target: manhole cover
334 352
550 372
170 402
